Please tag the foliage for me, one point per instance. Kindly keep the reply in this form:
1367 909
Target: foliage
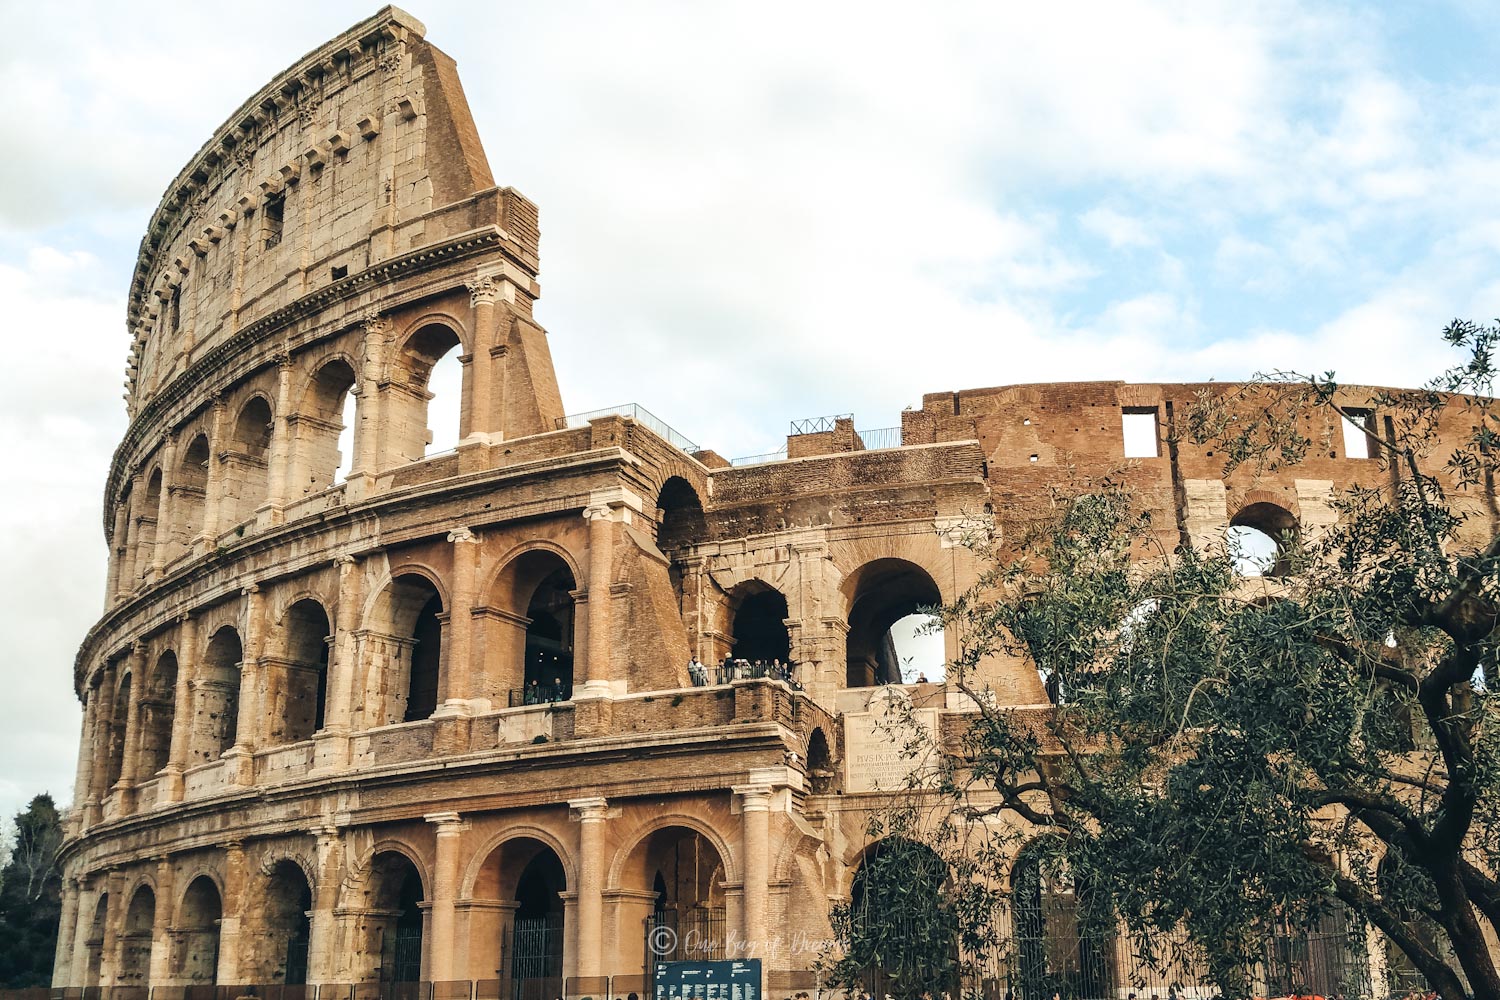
1233 757
30 897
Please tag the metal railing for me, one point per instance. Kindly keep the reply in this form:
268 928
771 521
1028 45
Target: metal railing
540 694
742 670
880 438
770 456
640 415
818 425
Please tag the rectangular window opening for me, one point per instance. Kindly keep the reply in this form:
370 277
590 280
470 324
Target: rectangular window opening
275 210
1142 439
1359 433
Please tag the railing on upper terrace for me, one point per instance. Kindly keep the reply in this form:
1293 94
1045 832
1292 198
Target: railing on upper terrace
640 415
880 437
818 425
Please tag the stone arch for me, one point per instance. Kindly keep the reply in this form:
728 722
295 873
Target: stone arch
94 942
534 588
677 875
157 710
203 869
190 493
646 828
878 594
278 923
114 743
196 939
884 871
135 934
1262 538
297 680
390 890
405 626
757 621
822 775
147 528
526 831
361 871
246 461
679 514
522 881
320 449
1051 918
218 695
426 347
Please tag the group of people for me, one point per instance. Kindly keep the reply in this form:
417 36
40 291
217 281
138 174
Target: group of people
537 693
738 669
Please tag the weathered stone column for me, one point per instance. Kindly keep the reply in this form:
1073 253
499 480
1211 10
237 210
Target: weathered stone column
368 424
755 801
234 902
331 752
67 934
114 917
279 459
83 777
241 756
130 745
135 556
322 943
76 972
479 421
120 568
450 828
601 557
161 924
591 815
170 789
164 514
213 492
457 682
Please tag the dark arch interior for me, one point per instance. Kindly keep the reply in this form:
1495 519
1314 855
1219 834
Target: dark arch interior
891 871
398 892
307 634
548 674
760 627
119 714
820 773
222 690
252 428
679 515
288 900
157 705
198 933
426 658
883 592
135 943
685 874
537 933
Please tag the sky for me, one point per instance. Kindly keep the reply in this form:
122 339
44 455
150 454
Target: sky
758 213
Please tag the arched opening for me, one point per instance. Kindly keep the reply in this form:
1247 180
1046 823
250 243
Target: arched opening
317 428
189 495
135 938
146 526
281 926
427 405
198 933
898 919
679 515
114 754
218 696
882 594
1062 941
303 694
539 585
684 873
247 463
1262 540
94 943
758 624
525 880
820 773
158 701
391 950
409 620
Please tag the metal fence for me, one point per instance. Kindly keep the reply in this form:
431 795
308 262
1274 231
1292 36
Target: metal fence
880 438
640 415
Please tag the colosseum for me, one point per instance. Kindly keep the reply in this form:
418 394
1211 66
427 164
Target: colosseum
362 713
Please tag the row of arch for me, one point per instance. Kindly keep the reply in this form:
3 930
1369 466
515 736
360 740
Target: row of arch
517 898
208 486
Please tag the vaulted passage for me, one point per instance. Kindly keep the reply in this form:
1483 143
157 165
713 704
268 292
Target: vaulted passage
300 680
279 926
215 725
157 705
389 949
135 938
245 466
196 957
526 932
759 624
881 594
406 639
318 461
899 942
684 874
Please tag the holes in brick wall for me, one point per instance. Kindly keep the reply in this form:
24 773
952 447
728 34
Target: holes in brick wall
341 271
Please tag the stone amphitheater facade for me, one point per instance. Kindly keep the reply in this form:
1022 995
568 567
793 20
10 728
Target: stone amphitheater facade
308 754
